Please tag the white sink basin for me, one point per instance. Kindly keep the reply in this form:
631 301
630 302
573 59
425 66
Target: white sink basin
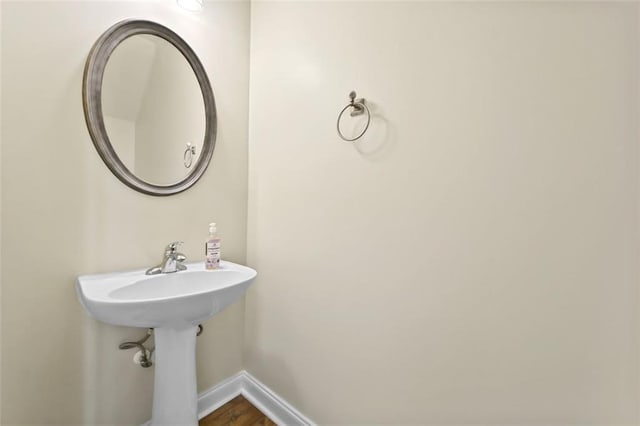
173 305
186 297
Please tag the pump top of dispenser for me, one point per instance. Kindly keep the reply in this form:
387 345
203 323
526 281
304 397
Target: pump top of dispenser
212 228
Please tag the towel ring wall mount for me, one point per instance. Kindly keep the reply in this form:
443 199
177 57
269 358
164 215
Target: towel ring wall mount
357 107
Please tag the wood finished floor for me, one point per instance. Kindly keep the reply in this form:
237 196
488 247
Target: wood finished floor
237 412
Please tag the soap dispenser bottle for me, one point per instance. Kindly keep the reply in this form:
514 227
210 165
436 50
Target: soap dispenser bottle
212 249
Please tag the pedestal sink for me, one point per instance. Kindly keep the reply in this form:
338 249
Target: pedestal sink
173 305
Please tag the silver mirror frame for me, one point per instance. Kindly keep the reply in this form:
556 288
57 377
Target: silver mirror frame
92 103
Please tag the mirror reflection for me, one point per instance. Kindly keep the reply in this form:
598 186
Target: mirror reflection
153 109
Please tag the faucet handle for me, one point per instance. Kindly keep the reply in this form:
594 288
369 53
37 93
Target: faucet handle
173 247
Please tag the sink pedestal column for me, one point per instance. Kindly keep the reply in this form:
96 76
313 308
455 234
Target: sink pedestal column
175 394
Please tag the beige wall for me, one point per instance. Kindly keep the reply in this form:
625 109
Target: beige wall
474 258
64 214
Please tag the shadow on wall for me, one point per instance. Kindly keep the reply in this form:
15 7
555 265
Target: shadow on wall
379 140
108 401
277 375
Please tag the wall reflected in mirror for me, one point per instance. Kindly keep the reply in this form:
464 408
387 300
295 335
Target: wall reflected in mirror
153 109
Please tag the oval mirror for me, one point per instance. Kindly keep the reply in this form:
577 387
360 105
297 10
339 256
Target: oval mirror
149 107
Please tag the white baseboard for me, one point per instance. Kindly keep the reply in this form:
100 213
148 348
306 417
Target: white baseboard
223 392
263 398
272 405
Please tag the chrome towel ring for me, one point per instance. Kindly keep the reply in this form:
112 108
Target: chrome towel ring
358 107
188 155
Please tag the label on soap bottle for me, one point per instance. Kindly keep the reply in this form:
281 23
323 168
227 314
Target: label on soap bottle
212 254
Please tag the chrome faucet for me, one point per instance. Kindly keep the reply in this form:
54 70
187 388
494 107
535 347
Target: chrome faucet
172 261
